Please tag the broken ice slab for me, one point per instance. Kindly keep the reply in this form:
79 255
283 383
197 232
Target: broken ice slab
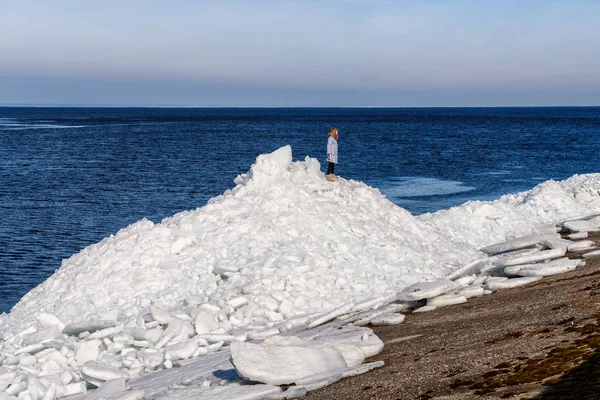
553 267
579 226
517 243
531 258
425 290
333 314
555 243
373 303
388 319
578 235
278 365
446 300
511 283
471 291
474 267
94 372
580 218
582 244
498 258
76 329
592 254
159 382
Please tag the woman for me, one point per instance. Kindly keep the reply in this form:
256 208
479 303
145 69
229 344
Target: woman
332 153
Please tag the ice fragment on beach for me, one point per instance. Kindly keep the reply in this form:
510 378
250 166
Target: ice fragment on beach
511 283
553 267
592 254
343 309
578 235
581 226
471 291
539 256
424 290
474 267
514 244
388 319
278 365
446 300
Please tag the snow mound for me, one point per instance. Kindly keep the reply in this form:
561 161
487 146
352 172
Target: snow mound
282 243
481 223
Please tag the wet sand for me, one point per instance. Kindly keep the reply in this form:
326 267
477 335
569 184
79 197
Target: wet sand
534 342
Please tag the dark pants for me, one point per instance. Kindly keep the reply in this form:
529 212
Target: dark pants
330 167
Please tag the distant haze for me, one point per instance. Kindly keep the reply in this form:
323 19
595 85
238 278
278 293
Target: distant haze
300 53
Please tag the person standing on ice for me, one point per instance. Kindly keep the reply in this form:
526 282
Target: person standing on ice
332 153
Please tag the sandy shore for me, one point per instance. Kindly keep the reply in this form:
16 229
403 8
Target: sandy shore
533 342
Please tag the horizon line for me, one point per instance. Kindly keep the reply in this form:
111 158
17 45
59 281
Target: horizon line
33 105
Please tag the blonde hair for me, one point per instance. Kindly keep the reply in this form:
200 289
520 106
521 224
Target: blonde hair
332 131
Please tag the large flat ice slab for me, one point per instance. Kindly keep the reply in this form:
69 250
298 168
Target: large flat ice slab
279 364
424 290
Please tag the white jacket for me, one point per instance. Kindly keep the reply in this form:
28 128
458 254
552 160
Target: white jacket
332 150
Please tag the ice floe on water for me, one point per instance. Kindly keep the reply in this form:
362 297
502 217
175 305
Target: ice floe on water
272 282
409 186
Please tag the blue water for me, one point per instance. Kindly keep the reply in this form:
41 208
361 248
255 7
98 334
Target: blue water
72 176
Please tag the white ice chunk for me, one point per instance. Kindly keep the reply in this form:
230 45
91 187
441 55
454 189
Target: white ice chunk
539 256
578 235
160 315
474 267
586 226
553 267
592 254
151 358
511 283
87 351
76 329
424 290
278 365
238 302
388 319
205 322
446 300
582 244
514 244
343 309
101 372
46 320
181 351
49 333
471 291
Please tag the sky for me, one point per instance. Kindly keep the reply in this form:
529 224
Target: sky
287 53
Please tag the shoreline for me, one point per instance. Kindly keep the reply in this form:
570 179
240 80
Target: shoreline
534 342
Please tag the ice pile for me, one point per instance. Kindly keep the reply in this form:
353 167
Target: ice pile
271 261
284 242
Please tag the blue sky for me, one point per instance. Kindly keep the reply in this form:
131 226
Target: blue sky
300 53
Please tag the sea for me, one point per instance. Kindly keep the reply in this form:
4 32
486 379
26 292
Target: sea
70 177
